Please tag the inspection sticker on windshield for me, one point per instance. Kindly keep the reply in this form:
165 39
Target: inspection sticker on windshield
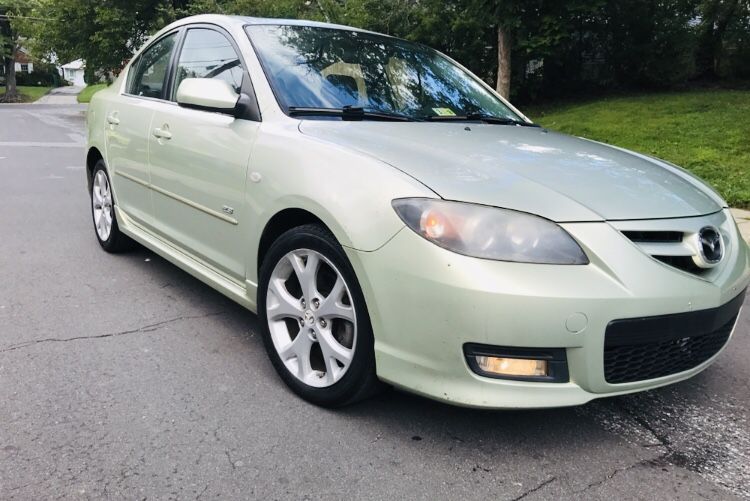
444 112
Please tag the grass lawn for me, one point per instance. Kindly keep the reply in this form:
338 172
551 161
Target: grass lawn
29 94
706 132
87 93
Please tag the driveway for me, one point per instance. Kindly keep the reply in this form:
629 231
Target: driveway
61 95
123 377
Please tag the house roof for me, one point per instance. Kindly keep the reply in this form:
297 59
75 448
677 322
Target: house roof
78 64
23 57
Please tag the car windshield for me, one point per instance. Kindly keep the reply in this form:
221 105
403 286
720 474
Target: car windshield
326 68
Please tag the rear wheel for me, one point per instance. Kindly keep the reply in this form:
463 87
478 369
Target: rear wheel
315 324
103 213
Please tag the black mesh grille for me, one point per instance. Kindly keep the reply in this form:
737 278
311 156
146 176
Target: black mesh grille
646 348
625 364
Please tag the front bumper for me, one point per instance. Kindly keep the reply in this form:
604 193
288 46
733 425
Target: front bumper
426 303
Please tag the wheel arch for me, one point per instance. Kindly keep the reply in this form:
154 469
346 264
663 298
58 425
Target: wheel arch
92 157
282 221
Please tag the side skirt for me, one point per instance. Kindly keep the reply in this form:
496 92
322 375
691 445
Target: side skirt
241 294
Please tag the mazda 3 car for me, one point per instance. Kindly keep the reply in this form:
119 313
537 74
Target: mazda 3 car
392 220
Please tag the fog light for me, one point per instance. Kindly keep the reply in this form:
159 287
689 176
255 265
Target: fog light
540 365
513 366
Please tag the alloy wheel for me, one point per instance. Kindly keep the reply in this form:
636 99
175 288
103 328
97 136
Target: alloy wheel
101 199
311 318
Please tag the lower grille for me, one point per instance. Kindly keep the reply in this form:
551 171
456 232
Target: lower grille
637 349
625 364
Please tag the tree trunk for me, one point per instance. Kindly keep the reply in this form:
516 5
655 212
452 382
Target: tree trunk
716 17
503 61
721 28
11 93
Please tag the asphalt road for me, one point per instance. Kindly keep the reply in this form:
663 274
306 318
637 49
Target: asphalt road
123 377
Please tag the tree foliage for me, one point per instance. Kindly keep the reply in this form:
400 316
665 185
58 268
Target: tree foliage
103 32
724 38
553 48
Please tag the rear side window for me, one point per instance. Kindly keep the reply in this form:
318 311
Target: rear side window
150 75
208 54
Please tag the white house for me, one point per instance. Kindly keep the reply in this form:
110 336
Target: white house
73 72
24 64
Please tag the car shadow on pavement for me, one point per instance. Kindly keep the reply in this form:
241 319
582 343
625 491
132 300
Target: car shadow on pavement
693 425
682 425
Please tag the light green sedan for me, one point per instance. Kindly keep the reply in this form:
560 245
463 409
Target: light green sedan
391 219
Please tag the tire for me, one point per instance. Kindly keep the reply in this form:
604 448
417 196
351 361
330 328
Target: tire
103 214
330 360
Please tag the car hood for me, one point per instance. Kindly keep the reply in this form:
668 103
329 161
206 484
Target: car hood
529 169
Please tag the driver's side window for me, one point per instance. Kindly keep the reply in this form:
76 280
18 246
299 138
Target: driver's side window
207 53
151 69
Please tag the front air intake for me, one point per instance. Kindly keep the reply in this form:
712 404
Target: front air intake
637 349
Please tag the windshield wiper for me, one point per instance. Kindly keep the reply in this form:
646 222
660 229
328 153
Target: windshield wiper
349 113
480 117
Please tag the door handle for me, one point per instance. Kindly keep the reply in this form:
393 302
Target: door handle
162 133
112 119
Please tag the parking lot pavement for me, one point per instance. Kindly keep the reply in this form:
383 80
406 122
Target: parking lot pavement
123 377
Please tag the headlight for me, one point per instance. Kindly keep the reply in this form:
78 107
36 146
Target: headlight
489 232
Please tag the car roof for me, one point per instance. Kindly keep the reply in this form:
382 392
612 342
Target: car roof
235 21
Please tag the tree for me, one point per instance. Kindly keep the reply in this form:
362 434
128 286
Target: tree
491 37
8 48
527 48
104 33
460 29
648 43
508 16
11 15
509 20
717 19
735 57
295 9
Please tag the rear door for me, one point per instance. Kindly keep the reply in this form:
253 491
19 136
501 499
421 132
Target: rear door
199 160
128 125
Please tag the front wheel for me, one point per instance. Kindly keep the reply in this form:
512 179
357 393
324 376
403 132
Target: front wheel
316 328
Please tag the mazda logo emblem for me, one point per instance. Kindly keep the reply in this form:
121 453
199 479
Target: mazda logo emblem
711 245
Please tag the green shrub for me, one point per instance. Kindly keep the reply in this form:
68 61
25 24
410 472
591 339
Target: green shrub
44 75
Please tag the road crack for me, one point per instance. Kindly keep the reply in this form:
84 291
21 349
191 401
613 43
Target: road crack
229 458
614 473
146 328
201 493
534 489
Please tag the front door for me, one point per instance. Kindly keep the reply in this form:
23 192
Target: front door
199 162
128 128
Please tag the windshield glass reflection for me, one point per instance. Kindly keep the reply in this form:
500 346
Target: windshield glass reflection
315 67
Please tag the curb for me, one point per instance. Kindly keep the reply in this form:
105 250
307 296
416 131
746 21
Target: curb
742 217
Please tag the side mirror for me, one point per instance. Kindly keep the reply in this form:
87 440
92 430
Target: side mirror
209 94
